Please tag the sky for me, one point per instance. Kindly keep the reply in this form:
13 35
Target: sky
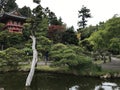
101 10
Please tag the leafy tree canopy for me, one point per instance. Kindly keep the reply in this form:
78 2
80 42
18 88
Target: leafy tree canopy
107 38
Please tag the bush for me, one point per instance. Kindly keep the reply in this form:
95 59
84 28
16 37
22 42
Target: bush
81 63
63 55
10 58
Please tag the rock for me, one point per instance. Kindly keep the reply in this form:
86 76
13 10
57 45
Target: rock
106 76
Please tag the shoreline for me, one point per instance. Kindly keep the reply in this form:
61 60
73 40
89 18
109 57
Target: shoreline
101 74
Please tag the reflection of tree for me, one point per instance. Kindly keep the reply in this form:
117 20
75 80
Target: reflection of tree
107 85
76 87
100 88
1 88
28 88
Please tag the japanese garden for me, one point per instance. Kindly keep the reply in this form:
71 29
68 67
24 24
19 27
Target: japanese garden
40 52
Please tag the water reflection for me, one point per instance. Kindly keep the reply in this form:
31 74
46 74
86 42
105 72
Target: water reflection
1 88
107 86
76 87
46 81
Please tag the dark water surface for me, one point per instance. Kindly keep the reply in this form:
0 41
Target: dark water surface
47 81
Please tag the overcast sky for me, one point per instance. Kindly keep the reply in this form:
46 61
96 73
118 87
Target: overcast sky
101 10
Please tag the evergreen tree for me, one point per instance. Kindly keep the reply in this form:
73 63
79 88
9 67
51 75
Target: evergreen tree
69 37
36 1
53 20
83 13
11 5
25 11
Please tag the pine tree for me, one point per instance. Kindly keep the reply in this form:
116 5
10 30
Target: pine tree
83 14
11 5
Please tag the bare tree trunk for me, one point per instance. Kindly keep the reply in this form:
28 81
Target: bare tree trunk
34 62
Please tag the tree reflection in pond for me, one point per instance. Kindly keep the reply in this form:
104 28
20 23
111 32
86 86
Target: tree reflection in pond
107 86
47 81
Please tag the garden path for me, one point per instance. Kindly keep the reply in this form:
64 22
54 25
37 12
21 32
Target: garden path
113 65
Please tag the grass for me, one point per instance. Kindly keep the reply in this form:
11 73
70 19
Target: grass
46 68
65 70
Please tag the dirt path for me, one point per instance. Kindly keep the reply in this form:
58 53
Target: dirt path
113 65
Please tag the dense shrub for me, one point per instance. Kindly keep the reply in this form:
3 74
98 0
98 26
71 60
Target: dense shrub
63 55
11 58
81 63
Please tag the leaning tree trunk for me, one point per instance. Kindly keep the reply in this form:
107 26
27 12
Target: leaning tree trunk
34 61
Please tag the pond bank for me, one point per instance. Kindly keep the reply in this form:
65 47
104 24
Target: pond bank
106 74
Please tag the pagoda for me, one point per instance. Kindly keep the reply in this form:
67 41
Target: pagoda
13 21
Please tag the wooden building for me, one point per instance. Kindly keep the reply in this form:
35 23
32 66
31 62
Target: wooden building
13 21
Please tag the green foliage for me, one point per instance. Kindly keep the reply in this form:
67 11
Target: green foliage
43 44
52 18
69 55
28 53
42 28
1 26
38 22
86 32
11 5
26 32
83 13
11 58
77 49
98 40
107 39
8 39
70 37
86 45
25 11
57 51
81 63
65 56
115 45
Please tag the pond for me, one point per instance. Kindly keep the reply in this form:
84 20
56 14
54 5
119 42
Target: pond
47 81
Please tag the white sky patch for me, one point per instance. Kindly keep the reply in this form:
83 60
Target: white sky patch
101 10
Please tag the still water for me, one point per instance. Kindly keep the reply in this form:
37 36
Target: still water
47 81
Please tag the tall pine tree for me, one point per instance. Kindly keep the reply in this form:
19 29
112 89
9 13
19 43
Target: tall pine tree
84 13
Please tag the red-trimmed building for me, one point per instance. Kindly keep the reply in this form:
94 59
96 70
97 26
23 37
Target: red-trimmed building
13 21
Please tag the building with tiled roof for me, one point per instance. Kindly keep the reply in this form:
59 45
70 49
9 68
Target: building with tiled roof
13 21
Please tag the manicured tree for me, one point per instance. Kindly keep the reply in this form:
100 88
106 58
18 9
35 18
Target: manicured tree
70 56
43 46
84 13
10 39
10 58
